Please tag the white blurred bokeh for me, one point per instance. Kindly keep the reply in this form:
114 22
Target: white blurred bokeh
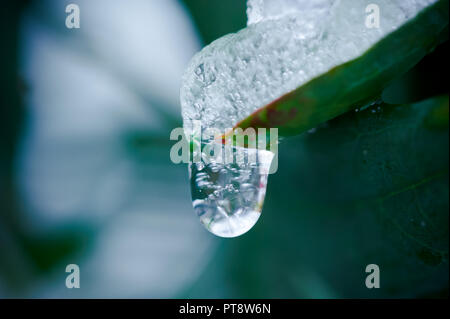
89 89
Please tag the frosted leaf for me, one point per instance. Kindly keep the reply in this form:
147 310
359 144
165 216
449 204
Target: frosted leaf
239 73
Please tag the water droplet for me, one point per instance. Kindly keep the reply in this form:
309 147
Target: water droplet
228 197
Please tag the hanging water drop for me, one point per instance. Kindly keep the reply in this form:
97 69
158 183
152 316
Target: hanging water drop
228 197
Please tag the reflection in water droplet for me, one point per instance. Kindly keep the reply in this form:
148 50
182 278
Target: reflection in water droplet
228 198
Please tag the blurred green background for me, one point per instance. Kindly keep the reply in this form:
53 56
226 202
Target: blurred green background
85 174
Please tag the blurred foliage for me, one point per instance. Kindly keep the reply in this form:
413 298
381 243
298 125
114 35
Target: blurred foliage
217 18
411 86
23 254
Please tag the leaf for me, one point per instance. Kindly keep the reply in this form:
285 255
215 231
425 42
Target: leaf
357 82
367 187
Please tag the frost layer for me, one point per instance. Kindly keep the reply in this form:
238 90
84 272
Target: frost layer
283 47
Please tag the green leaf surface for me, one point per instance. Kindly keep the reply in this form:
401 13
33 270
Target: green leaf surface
357 82
366 187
